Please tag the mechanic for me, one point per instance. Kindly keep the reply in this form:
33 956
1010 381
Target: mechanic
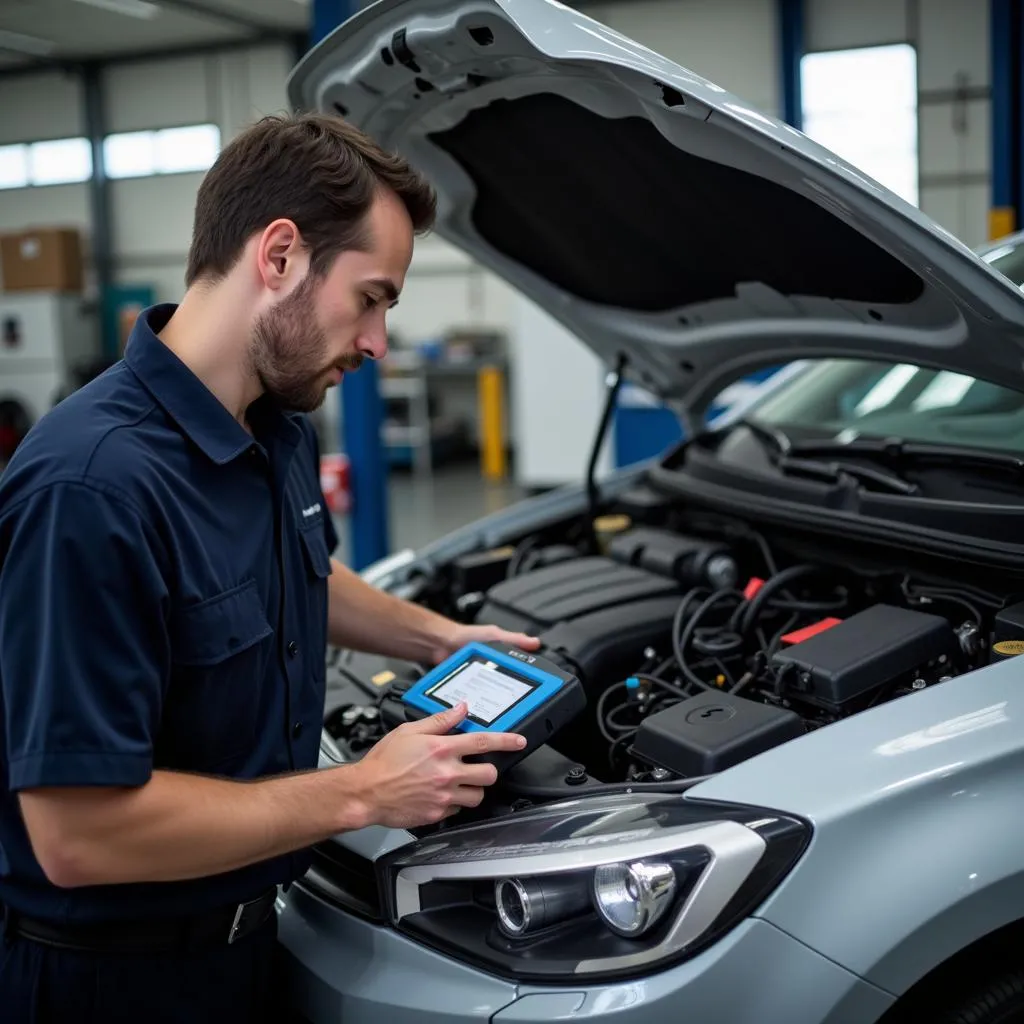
167 594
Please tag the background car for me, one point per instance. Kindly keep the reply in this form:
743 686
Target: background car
793 793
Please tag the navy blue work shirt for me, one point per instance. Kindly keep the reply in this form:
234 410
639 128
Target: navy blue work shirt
163 605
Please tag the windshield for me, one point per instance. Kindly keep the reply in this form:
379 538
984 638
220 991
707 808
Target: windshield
847 398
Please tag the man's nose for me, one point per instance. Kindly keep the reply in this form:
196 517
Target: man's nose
373 344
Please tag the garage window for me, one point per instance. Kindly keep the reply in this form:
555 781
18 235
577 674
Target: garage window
167 151
53 162
862 105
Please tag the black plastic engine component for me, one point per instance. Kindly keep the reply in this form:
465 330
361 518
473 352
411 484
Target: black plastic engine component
480 570
608 645
592 615
691 560
712 732
1008 633
568 591
879 646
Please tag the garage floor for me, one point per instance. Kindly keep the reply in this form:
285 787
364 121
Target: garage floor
421 511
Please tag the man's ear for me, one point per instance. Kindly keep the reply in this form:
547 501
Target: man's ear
280 255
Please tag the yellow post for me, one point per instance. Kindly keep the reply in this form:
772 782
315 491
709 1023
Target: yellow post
490 395
1001 221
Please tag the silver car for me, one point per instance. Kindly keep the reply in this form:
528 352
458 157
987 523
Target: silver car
797 791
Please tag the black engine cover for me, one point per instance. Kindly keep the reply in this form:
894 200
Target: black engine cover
592 614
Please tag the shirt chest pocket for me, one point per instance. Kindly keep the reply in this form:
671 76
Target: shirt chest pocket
220 652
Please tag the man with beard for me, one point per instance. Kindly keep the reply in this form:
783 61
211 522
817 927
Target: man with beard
167 593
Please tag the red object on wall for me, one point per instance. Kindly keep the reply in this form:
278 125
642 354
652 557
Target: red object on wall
334 482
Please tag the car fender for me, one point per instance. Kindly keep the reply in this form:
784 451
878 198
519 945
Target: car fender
918 832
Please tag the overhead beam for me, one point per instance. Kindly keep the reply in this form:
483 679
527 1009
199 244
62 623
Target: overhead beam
77 65
227 16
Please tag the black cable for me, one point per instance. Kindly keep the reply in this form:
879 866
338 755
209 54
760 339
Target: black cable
812 607
914 594
523 548
744 617
680 643
766 552
697 594
602 702
610 719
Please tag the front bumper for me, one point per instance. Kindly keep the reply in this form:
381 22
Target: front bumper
339 968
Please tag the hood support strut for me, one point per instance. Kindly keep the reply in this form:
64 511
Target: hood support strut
614 382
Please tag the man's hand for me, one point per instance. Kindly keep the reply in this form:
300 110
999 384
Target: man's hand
457 636
415 775
180 826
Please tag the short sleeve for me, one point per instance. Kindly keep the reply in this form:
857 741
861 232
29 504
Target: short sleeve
84 647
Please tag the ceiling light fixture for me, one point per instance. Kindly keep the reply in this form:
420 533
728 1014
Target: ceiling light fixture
143 9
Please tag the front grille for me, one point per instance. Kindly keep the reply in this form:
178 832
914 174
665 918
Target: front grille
346 880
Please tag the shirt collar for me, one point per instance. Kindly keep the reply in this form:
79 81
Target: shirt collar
186 399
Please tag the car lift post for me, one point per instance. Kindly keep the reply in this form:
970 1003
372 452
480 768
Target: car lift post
359 395
1006 34
791 51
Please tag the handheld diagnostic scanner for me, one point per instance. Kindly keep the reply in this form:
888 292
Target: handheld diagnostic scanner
505 690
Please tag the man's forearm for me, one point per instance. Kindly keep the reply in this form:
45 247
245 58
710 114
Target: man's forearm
367 619
180 826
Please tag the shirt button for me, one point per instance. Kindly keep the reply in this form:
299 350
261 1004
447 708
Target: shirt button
293 648
297 730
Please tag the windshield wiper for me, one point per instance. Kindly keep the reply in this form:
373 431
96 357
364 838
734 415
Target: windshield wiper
770 437
899 453
786 455
837 470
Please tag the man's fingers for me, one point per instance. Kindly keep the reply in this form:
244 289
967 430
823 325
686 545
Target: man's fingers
441 723
484 742
477 775
468 796
525 643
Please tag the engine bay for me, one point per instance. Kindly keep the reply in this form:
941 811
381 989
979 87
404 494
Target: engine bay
699 642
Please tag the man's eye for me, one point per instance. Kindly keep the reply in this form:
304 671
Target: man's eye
369 301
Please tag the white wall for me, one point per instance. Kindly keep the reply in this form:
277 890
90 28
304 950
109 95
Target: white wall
152 217
954 81
734 43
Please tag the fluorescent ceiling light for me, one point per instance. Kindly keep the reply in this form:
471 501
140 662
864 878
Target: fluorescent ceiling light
143 9
18 42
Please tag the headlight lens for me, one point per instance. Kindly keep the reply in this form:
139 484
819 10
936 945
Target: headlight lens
600 887
631 898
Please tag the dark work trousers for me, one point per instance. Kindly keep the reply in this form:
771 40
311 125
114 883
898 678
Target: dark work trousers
234 984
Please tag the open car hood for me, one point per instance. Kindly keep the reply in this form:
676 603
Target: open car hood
654 214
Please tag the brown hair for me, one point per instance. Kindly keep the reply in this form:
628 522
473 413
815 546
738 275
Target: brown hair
318 171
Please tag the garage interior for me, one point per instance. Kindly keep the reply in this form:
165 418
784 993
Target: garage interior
113 109
796 580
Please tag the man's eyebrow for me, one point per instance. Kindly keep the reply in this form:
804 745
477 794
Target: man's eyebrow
386 285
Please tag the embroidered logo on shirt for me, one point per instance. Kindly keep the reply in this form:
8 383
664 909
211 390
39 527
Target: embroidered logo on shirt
311 511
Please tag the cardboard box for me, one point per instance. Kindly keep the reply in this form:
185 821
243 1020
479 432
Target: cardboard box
40 259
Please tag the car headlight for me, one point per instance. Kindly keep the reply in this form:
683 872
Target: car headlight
598 887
